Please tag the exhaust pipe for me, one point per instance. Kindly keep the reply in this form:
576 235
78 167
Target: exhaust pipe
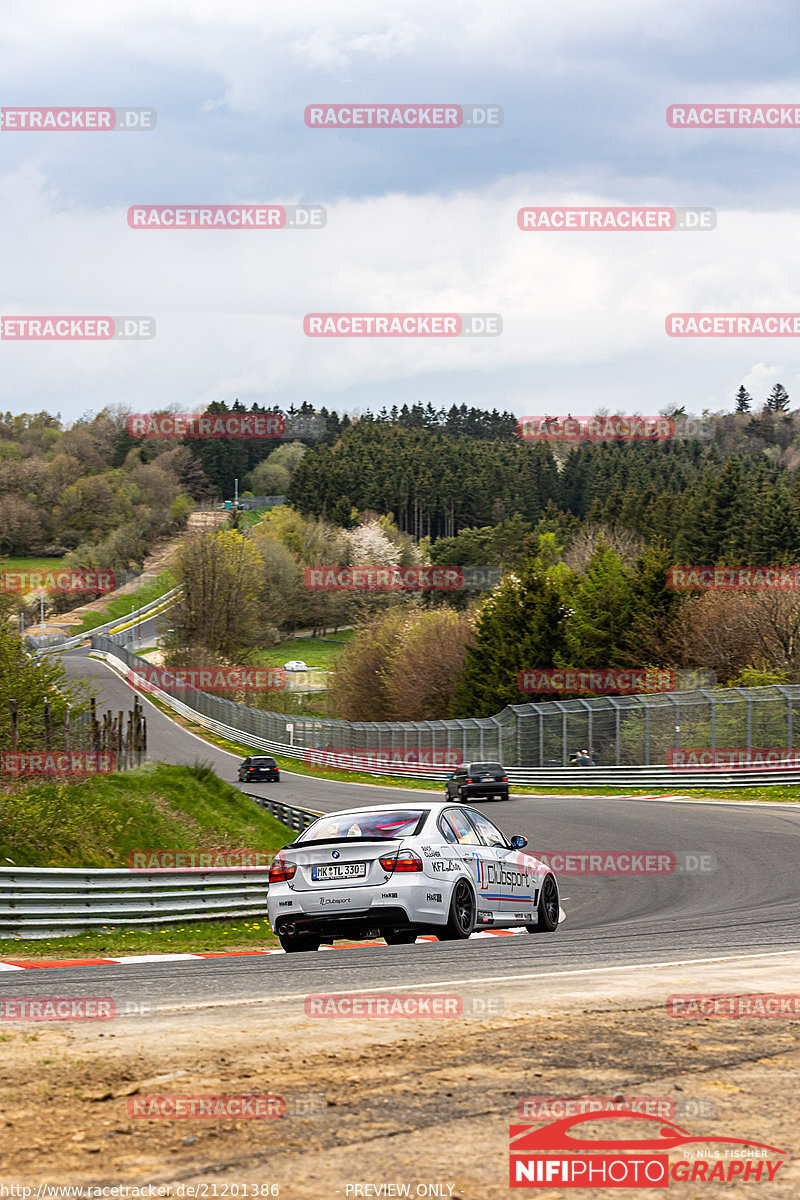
289 929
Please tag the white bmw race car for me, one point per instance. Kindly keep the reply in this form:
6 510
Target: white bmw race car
398 870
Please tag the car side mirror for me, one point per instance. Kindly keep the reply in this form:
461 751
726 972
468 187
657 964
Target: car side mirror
518 841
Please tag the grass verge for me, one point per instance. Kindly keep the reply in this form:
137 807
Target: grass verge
120 607
315 652
775 793
98 822
31 564
202 937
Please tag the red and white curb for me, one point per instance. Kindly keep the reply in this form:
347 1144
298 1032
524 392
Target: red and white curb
40 964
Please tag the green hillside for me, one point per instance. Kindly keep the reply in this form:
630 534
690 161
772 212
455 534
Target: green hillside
99 821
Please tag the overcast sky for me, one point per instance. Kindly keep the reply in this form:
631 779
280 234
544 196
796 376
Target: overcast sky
417 220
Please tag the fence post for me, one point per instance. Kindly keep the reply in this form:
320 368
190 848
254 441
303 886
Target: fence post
67 746
12 704
789 722
677 719
48 739
789 713
646 733
744 692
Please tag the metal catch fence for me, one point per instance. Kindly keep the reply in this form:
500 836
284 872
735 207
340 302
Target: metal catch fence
630 730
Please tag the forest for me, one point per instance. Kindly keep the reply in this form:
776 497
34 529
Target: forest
583 535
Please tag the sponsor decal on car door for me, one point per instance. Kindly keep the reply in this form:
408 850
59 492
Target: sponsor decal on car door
458 830
482 866
505 879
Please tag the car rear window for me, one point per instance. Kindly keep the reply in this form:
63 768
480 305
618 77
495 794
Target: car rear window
393 823
262 762
485 768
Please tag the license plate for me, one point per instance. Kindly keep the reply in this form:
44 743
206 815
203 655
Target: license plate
488 779
339 871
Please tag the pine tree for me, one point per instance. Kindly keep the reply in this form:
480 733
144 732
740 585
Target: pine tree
519 627
601 613
743 400
778 399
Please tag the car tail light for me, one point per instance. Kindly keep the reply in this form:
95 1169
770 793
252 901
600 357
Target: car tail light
281 870
504 779
403 860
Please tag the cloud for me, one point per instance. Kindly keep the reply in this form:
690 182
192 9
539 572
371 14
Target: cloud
416 220
229 304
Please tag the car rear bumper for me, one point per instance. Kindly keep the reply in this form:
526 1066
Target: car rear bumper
472 790
361 923
395 904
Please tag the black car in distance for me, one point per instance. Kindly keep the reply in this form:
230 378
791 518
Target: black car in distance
261 767
478 780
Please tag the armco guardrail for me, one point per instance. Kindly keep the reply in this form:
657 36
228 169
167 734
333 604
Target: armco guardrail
677 779
41 902
297 819
38 902
119 623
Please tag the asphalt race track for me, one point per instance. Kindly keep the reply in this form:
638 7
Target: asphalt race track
749 903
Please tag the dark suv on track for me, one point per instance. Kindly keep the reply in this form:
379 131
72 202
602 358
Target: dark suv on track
259 768
476 780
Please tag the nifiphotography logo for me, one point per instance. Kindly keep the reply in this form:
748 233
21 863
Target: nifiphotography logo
572 1160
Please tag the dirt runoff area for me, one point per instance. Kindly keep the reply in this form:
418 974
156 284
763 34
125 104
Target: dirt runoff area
382 1107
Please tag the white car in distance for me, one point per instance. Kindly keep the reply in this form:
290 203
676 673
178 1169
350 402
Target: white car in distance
398 870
